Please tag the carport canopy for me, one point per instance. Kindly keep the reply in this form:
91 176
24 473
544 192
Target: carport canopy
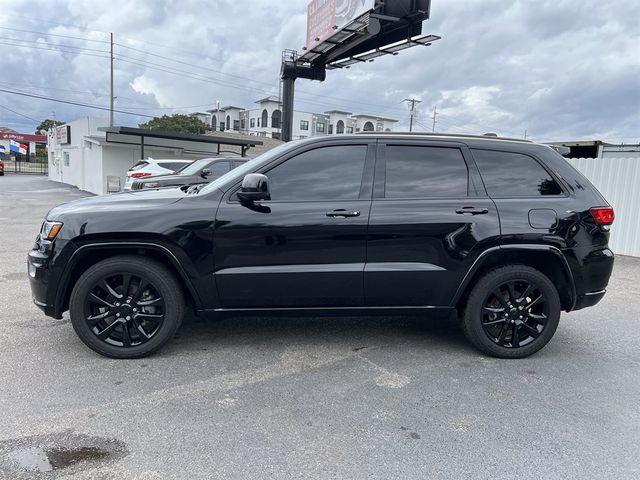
188 142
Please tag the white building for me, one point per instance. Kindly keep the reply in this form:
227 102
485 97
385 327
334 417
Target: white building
266 120
81 154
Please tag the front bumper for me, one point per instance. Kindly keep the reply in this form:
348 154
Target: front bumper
39 280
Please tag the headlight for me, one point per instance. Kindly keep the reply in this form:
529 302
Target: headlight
152 184
50 230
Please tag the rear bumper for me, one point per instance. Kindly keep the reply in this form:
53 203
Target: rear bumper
591 271
589 299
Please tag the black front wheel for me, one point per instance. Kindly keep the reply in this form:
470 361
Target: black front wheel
126 307
512 312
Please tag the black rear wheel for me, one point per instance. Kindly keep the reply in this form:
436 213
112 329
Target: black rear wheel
512 312
126 307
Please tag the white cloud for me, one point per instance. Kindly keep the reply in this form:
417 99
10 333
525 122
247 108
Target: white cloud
557 68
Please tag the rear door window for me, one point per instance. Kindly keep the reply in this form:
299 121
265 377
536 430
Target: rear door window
509 174
425 172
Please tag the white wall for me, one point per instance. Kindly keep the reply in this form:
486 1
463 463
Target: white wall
618 179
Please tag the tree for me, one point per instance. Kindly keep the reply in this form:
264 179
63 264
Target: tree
176 123
47 124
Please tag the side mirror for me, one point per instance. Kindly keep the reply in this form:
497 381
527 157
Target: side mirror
206 172
255 187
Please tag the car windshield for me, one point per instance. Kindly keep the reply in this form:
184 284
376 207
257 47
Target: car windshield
248 167
195 167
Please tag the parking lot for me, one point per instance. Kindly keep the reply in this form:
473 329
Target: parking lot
338 398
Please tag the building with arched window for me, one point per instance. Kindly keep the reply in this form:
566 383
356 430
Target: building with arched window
266 120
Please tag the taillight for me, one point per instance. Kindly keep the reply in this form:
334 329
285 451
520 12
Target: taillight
603 215
140 174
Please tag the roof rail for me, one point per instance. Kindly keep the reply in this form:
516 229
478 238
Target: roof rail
448 135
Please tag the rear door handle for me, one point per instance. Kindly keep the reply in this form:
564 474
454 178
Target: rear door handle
472 211
342 213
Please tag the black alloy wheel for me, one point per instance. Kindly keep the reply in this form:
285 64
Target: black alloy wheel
124 310
511 312
515 313
126 307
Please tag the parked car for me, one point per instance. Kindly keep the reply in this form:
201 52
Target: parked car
1 168
505 232
151 166
200 171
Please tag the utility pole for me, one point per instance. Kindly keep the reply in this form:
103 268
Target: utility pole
435 113
412 108
111 90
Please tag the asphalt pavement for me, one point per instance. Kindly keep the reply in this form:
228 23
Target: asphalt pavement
310 398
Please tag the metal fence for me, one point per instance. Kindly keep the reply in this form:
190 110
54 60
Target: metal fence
618 179
24 164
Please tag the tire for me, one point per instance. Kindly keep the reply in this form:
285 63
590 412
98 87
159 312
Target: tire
152 310
500 304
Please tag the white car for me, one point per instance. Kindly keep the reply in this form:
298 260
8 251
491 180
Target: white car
152 166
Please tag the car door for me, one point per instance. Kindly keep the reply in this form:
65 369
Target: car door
430 218
306 246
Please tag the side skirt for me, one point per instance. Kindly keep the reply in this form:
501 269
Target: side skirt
329 311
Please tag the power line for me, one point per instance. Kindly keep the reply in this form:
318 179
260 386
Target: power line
55 34
82 50
18 113
40 43
53 49
58 100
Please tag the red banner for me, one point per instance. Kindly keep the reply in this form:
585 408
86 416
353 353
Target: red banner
23 137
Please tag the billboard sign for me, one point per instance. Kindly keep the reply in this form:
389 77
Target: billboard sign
63 134
324 15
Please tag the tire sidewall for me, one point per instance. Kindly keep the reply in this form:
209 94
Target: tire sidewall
161 280
472 320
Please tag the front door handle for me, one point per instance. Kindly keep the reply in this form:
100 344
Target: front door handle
472 211
342 213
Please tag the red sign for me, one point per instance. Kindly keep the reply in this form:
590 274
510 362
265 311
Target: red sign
320 21
23 137
327 17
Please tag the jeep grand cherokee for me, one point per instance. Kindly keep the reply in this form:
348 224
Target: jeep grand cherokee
505 232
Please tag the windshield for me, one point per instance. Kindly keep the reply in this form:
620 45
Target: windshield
195 167
249 167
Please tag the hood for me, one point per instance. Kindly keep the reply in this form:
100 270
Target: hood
130 200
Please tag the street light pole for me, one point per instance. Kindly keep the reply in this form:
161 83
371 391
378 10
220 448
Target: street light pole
412 108
111 84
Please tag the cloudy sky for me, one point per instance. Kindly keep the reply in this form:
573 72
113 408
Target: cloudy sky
557 69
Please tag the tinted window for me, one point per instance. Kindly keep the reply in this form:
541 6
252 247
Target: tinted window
424 172
140 164
329 173
219 168
507 174
175 166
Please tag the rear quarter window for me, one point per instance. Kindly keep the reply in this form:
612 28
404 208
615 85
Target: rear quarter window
140 164
509 174
175 166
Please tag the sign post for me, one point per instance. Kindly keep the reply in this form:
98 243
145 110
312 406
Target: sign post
341 33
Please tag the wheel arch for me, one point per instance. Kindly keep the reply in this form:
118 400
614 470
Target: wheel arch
87 255
545 258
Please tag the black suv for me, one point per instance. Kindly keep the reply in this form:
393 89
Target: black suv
200 171
506 232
